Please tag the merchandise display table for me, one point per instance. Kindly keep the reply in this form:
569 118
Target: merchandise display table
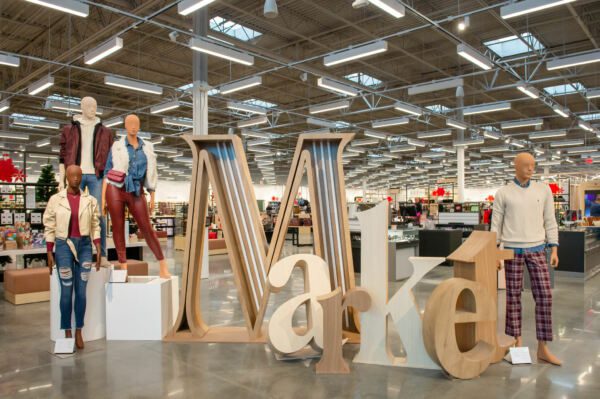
579 251
301 235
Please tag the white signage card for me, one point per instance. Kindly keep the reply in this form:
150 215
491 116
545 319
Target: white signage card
6 218
520 355
118 276
19 217
64 345
36 218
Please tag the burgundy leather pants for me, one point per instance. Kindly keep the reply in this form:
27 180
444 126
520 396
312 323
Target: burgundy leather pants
117 199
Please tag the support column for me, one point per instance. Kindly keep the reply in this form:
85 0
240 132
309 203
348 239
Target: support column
200 77
459 195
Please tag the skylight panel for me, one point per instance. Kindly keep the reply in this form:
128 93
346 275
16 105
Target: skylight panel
561 90
438 108
259 103
364 79
512 45
233 29
590 117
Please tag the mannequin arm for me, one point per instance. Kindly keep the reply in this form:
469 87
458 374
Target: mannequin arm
151 207
103 206
61 176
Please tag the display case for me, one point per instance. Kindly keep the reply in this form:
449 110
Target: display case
579 251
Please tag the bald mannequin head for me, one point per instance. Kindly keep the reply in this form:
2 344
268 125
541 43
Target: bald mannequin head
132 125
89 107
73 178
524 167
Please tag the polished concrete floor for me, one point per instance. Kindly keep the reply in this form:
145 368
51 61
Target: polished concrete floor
177 370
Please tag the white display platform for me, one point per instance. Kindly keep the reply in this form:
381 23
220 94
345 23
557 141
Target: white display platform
95 321
144 308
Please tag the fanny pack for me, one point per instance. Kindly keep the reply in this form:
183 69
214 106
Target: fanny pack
116 177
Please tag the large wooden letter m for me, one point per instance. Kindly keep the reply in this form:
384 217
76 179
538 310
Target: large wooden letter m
220 160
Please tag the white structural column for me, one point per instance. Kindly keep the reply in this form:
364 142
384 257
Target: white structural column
459 195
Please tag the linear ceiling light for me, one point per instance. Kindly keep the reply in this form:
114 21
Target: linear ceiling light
529 90
40 85
217 50
467 142
435 86
492 135
376 135
320 122
522 123
585 126
102 51
14 136
484 108
68 6
569 61
252 109
34 123
498 148
317 109
528 6
241 85
187 7
132 85
42 143
354 53
4 105
435 133
403 148
371 141
548 134
562 111
9 60
581 150
549 163
252 143
177 122
593 93
68 106
456 124
157 109
408 108
392 7
259 135
566 143
418 143
433 154
474 56
253 121
332 85
390 122
113 122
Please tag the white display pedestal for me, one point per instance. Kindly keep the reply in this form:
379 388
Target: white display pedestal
144 308
95 317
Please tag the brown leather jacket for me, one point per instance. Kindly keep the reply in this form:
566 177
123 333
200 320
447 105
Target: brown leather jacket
70 146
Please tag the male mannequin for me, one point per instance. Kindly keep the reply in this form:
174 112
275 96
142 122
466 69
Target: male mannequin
86 143
524 220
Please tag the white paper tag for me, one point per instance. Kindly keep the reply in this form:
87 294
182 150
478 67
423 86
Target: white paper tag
118 276
520 355
64 345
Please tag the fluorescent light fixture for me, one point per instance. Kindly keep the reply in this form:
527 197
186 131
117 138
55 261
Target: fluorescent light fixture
435 86
132 85
320 122
42 143
581 150
4 105
204 46
562 111
157 109
433 154
521 123
408 108
40 85
492 135
253 121
324 130
417 143
176 154
517 143
376 135
456 124
113 122
498 148
178 122
566 143
585 126
68 106
372 141
354 53
166 150
573 60
241 85
448 150
474 56
252 143
484 108
143 135
403 148
159 140
9 60
251 109
434 133
317 109
14 136
467 142
391 156
32 123
528 6
259 135
390 122
549 163
102 51
261 150
392 7
529 90
548 134
593 93
68 6
332 85
187 7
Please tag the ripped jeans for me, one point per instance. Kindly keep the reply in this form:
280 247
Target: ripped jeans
73 275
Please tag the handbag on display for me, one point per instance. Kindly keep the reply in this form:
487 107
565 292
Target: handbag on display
116 177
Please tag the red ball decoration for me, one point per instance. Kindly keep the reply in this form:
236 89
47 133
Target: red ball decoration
589 161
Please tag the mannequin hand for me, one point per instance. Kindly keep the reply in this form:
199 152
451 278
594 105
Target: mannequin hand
104 207
50 261
499 264
98 258
61 177
61 184
554 258
151 206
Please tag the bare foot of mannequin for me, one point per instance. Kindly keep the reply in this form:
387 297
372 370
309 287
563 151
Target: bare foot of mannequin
68 334
123 266
544 354
518 342
164 269
79 339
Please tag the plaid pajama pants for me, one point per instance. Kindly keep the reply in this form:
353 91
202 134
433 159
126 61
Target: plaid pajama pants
540 288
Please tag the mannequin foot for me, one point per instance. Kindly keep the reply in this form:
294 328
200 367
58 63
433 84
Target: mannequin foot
164 269
518 342
123 266
104 262
545 355
68 333
78 339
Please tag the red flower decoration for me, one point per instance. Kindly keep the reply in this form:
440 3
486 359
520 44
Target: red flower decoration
7 170
20 175
555 188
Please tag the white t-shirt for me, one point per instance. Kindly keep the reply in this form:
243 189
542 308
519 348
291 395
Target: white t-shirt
87 144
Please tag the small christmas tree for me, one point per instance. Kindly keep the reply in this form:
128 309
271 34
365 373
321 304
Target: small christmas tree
43 193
